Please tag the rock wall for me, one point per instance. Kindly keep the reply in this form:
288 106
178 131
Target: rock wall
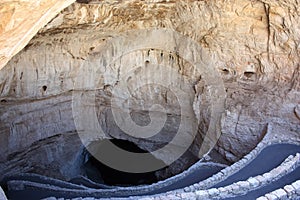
254 46
21 20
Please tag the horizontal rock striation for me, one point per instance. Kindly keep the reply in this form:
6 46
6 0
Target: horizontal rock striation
254 46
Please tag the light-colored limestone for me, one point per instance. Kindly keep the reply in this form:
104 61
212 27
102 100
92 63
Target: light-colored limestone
281 194
253 182
2 194
254 43
296 186
290 190
53 58
262 198
21 20
271 197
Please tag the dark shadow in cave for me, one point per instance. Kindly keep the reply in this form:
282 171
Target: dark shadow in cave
101 173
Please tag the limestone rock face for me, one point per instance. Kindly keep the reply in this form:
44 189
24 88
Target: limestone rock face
21 20
253 45
2 195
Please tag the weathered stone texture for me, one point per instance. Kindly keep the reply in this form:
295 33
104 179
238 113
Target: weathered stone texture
254 44
21 20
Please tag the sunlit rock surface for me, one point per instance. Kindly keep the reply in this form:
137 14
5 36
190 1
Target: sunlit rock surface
254 46
21 20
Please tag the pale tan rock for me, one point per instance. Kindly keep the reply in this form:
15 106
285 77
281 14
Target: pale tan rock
255 46
21 20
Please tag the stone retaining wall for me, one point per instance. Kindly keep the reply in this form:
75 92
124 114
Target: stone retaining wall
288 192
270 138
193 191
196 191
235 189
65 188
242 187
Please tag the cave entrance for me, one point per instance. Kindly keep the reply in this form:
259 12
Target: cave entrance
101 173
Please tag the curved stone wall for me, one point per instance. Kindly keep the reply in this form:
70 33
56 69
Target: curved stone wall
195 191
288 192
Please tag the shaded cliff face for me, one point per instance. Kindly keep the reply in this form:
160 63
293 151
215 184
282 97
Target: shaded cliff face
252 45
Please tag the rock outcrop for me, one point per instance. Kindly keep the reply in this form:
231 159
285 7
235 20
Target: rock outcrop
21 20
253 45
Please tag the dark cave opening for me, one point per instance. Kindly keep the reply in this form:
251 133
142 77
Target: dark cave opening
99 172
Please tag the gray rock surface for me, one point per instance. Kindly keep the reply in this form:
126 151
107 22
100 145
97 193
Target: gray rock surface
254 46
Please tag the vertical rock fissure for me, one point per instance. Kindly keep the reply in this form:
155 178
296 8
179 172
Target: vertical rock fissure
267 11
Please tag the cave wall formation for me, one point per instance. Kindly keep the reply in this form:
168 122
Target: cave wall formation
21 20
255 46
